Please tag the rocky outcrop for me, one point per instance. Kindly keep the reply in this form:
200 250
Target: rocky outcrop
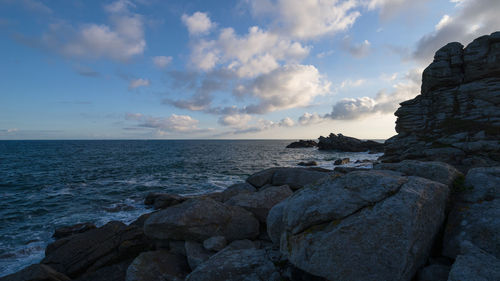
474 264
456 118
36 272
163 200
345 228
157 265
302 144
295 178
73 229
348 144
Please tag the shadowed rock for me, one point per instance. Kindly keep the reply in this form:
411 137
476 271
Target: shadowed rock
302 144
157 265
36 272
348 144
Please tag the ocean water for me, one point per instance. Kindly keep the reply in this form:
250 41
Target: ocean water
48 184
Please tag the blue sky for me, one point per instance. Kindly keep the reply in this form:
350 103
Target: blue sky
144 69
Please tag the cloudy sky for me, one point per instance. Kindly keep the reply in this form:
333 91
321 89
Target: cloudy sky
285 69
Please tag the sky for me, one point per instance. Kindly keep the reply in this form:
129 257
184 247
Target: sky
240 69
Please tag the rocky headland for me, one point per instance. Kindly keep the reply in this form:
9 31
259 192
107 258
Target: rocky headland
302 144
340 142
414 217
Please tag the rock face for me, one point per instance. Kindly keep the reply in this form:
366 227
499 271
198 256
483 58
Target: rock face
456 118
199 219
351 227
96 248
475 265
348 144
73 229
157 265
295 178
36 272
302 144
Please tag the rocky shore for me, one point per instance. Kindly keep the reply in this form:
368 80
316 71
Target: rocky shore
416 216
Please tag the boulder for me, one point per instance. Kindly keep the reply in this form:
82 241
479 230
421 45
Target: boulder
236 189
36 272
114 272
196 254
475 214
199 219
236 265
259 203
348 144
474 264
435 171
96 248
433 272
361 221
295 178
163 200
73 229
342 161
215 243
157 265
302 144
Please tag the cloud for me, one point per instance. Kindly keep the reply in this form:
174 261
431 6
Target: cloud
32 5
310 118
308 19
356 50
165 125
139 82
287 87
257 52
198 23
264 125
472 19
383 103
352 83
86 71
235 120
389 9
162 61
121 40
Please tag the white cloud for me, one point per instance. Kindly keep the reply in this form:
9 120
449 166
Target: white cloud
310 118
472 19
264 125
139 82
287 87
308 19
391 8
197 23
356 50
173 123
235 120
287 122
121 40
162 61
352 83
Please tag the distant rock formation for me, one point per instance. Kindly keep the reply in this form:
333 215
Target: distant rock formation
348 144
456 118
302 144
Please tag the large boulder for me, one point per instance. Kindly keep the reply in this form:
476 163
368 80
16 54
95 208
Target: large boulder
302 144
36 272
295 178
66 231
476 212
340 142
435 171
236 189
474 264
259 203
236 265
163 200
114 272
96 248
158 265
456 117
196 254
198 219
352 227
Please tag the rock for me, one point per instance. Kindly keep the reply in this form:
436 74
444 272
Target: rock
348 144
93 249
351 222
295 178
435 171
196 254
345 170
259 203
114 272
456 117
139 222
302 144
158 265
342 161
240 245
274 221
474 265
163 200
475 214
236 189
236 265
308 163
36 272
215 243
73 229
177 247
433 272
199 219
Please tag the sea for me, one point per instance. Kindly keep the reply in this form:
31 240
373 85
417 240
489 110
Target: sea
48 184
